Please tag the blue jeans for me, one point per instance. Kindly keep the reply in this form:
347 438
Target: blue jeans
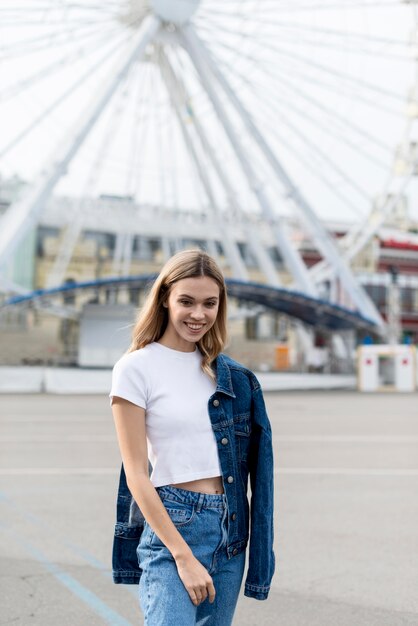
201 519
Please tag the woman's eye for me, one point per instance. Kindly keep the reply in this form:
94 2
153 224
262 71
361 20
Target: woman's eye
187 303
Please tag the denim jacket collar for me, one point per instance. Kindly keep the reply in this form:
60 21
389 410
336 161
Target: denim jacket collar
223 376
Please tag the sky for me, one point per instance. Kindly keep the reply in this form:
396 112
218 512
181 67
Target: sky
325 83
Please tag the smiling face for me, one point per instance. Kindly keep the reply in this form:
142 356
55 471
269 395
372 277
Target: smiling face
192 309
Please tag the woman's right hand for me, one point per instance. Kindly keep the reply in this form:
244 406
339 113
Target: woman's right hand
196 579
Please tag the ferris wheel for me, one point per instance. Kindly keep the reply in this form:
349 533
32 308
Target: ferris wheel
232 107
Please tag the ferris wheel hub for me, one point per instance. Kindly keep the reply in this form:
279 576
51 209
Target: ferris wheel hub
176 11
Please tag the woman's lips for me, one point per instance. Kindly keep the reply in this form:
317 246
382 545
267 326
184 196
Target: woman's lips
194 328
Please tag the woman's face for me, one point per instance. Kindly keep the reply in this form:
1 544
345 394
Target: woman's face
193 305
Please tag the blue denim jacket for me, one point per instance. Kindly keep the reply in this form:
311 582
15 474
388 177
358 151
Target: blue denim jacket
243 434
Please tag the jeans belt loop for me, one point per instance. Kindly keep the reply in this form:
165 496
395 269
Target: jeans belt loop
200 502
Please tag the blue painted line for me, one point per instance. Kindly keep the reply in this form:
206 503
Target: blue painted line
74 548
88 597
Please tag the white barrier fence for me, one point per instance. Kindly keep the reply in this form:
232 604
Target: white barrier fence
95 381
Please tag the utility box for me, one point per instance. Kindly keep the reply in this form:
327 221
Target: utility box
386 368
105 333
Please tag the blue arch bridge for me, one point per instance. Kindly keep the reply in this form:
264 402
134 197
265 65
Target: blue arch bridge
320 314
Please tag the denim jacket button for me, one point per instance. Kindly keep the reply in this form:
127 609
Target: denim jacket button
215 402
230 479
235 551
234 517
224 441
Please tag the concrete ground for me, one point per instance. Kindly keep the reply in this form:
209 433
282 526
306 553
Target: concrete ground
346 512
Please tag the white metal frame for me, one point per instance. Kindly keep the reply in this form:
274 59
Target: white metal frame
22 215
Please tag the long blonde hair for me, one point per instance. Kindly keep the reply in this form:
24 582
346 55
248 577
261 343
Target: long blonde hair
153 317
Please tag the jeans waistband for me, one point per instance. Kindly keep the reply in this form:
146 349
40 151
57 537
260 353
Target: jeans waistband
201 500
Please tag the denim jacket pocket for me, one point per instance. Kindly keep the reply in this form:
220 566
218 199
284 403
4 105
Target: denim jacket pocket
242 428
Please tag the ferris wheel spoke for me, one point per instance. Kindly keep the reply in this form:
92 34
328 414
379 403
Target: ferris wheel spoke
93 6
138 142
341 76
316 122
37 5
267 20
18 218
174 154
270 11
262 68
48 42
336 6
202 157
154 140
364 38
159 128
332 185
283 81
316 152
328 70
53 36
357 50
178 68
317 170
59 8
62 98
115 117
306 79
143 132
79 31
334 133
75 225
46 72
342 127
368 42
315 148
296 72
357 43
29 8
32 23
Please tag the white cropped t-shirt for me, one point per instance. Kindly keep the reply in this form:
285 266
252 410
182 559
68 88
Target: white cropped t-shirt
174 391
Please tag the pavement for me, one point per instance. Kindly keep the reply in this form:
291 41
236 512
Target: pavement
346 510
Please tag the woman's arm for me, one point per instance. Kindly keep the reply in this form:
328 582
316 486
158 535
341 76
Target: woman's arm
130 429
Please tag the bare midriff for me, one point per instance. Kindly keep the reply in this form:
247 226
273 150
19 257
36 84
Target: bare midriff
203 485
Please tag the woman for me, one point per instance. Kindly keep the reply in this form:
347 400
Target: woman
199 418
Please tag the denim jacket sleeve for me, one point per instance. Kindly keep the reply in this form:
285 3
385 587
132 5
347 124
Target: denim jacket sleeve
261 469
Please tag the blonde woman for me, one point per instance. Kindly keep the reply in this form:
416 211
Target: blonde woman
197 419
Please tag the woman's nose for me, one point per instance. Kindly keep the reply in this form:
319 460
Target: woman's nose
198 313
